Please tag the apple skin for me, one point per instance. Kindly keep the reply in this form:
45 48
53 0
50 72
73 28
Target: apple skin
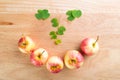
87 46
54 64
26 44
39 57
73 59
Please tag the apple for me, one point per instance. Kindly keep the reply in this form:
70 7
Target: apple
73 59
26 44
90 46
54 64
39 57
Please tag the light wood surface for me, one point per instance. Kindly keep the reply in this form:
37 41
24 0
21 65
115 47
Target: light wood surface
100 17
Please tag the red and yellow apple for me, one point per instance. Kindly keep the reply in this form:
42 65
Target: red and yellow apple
26 44
39 57
73 59
54 64
89 46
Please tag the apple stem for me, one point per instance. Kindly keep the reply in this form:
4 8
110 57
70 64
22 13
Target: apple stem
24 44
43 52
23 35
95 41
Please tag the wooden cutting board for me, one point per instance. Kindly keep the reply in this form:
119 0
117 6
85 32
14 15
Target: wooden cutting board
100 17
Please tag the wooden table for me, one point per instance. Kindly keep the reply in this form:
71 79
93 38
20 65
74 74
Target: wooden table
100 17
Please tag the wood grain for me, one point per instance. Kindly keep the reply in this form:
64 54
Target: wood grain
100 17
